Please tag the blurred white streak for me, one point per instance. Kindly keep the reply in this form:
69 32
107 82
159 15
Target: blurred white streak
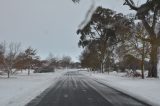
88 15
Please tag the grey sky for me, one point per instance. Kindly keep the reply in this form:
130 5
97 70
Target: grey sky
47 25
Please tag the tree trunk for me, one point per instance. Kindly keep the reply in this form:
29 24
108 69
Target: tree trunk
8 73
28 72
142 64
109 69
102 67
153 61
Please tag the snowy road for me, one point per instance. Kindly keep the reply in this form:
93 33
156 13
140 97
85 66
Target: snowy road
75 89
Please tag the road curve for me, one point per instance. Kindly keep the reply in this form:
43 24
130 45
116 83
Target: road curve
75 89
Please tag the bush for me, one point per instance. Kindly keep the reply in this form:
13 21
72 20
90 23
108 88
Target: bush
132 74
44 70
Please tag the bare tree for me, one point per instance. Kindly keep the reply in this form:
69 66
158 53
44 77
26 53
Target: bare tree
65 62
50 56
142 47
13 51
2 55
53 61
136 46
9 55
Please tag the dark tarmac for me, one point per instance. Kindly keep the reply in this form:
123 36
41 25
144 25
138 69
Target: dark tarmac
75 89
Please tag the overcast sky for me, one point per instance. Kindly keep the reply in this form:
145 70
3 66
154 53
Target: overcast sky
47 25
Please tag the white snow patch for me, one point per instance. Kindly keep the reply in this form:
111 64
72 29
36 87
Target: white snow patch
21 88
146 90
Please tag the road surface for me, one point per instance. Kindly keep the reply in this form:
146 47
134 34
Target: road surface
75 89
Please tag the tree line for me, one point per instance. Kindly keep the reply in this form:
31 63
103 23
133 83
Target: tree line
13 59
114 41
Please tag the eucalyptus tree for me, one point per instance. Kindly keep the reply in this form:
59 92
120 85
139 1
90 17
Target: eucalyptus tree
149 14
106 29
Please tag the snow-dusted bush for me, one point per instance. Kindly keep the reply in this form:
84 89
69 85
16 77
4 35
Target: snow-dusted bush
131 73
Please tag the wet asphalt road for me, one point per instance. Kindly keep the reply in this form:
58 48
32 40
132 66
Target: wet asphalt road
75 89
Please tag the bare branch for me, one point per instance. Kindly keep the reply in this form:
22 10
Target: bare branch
131 4
155 17
149 29
143 39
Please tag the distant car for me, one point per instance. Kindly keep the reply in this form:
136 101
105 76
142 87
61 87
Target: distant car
44 69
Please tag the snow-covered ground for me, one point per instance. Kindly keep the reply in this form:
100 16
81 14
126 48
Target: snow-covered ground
146 90
21 88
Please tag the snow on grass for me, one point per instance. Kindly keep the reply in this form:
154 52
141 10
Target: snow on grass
147 90
21 88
